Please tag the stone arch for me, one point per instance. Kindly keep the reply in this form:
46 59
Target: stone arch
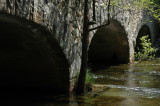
144 30
109 45
31 59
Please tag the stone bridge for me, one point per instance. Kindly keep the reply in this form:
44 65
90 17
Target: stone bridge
41 40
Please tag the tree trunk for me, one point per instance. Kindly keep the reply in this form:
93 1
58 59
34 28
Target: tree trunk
85 43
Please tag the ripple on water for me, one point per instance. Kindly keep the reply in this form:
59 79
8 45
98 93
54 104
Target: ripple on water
134 91
154 73
133 85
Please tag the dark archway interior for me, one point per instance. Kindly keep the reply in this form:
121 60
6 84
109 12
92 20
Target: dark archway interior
109 45
142 32
31 60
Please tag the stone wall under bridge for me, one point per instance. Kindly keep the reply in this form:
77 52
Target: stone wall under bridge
64 20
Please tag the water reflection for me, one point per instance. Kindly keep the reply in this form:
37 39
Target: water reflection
123 85
131 83
140 85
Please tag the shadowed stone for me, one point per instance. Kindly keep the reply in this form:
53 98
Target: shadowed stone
31 60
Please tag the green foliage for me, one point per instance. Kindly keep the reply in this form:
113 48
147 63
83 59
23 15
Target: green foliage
151 6
89 77
147 51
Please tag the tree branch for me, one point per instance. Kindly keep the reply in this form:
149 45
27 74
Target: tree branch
108 11
108 22
98 27
94 15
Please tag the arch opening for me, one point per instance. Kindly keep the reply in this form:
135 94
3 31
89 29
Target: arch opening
31 59
144 30
109 45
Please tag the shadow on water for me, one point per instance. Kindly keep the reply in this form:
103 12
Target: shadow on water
102 64
121 85
34 100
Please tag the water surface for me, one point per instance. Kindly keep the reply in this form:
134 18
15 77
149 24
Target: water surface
122 85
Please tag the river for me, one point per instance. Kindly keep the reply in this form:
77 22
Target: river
135 84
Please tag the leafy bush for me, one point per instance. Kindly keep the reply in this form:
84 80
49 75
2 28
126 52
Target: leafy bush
88 80
89 77
147 51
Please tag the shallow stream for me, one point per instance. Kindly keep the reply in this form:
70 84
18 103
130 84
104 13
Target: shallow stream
122 85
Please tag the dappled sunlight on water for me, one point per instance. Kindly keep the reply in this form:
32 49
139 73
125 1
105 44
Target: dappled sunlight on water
138 84
123 85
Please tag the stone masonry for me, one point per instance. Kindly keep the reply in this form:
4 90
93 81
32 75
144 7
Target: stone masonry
64 19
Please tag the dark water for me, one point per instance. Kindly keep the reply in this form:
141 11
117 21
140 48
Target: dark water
123 85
